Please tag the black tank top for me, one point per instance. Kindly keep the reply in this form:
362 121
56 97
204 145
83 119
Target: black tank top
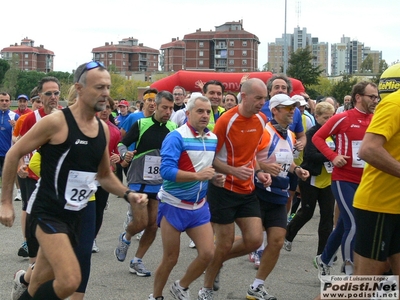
64 170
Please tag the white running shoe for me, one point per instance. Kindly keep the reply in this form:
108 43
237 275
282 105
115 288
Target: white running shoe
192 244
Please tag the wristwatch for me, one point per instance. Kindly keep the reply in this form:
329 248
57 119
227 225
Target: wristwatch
126 195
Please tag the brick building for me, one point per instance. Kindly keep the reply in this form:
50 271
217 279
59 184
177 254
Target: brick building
128 56
227 49
29 57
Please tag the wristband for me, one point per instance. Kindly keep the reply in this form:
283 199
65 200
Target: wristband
295 168
258 171
126 195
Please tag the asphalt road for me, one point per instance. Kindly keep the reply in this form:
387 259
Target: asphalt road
294 276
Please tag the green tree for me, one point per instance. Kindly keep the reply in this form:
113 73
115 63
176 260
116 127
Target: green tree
366 65
343 87
4 67
323 88
301 68
11 77
27 80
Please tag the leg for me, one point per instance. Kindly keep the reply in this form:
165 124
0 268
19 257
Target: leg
56 259
171 244
101 202
151 229
139 221
224 237
252 237
275 238
369 266
203 237
326 203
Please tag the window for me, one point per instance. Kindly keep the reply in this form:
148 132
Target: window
201 62
201 44
123 55
123 63
26 55
244 62
244 43
231 52
231 43
231 62
26 62
102 55
201 53
244 53
110 62
110 55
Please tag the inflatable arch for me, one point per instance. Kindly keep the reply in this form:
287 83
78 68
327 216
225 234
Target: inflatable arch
231 81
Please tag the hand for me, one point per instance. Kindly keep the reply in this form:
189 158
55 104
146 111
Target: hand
129 156
12 122
7 214
273 168
302 174
299 146
218 179
340 161
244 78
206 174
199 84
265 178
138 198
243 172
114 158
22 171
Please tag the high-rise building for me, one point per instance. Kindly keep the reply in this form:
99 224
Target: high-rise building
127 56
347 57
227 49
300 39
29 57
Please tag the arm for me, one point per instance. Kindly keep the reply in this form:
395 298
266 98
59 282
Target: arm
110 182
373 152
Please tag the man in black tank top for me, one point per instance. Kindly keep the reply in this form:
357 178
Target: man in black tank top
74 155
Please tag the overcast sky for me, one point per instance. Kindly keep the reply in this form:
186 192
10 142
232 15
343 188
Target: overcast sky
71 29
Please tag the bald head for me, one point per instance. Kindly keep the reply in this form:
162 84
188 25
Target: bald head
249 85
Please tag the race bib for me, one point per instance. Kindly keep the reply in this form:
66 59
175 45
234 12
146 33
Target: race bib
151 169
285 159
357 162
80 186
328 166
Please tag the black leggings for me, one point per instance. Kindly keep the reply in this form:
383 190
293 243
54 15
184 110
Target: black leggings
309 197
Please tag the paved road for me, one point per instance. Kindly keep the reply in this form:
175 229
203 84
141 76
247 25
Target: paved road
293 278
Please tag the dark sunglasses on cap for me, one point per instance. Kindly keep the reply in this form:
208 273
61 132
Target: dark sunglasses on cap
89 66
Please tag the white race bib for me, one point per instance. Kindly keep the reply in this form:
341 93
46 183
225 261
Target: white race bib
151 170
328 166
80 186
285 159
357 162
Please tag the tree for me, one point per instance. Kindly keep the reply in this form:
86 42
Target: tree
11 77
323 88
301 68
343 87
366 65
27 80
4 67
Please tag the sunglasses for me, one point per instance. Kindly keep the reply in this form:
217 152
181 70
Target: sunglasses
287 107
48 94
89 66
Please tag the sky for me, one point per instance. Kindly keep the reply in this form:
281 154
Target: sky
71 29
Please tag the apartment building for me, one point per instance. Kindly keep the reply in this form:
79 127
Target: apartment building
28 57
229 48
127 57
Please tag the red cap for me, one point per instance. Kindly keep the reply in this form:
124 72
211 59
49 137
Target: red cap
123 103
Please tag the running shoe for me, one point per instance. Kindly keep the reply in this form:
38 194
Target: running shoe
18 197
18 288
287 245
216 281
139 269
158 298
178 292
192 244
139 235
23 250
122 249
257 258
129 217
323 269
95 249
251 256
259 293
205 294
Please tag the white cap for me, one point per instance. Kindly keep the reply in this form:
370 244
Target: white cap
300 99
281 99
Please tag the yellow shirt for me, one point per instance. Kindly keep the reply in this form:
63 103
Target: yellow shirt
379 191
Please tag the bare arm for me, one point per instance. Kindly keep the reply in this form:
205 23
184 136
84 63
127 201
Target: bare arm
373 152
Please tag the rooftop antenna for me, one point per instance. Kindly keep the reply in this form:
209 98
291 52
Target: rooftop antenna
298 12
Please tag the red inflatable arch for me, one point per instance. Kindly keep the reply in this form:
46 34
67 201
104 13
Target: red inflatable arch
187 79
